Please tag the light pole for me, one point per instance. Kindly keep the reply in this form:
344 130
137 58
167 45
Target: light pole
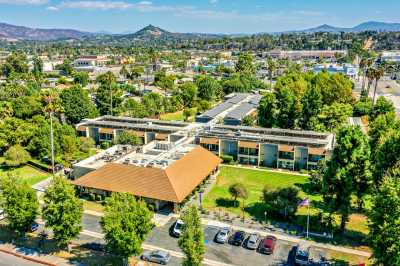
265 216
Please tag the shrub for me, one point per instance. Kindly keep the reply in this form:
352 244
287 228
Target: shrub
105 145
227 159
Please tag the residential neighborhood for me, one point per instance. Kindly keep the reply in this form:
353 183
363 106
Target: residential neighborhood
231 134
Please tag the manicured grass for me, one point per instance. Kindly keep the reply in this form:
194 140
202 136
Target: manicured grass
30 174
177 116
255 181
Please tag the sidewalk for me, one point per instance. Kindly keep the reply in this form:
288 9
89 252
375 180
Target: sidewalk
33 255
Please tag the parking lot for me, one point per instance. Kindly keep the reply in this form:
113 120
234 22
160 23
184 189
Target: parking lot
226 253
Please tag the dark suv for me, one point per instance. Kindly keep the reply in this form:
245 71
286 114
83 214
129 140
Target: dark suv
238 238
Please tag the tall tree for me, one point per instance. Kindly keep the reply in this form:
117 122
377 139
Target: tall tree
384 227
209 88
237 190
378 74
126 223
108 94
271 66
19 202
245 64
192 238
62 210
349 164
267 110
77 104
16 155
312 106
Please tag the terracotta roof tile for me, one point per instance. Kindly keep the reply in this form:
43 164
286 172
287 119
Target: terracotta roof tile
173 184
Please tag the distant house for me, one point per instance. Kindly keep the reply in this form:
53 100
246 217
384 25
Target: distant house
90 63
348 70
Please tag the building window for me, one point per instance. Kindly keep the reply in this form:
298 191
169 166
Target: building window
315 158
248 151
286 155
106 136
210 147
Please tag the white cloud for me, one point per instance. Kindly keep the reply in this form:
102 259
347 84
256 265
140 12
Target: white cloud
23 2
102 5
52 8
213 1
145 3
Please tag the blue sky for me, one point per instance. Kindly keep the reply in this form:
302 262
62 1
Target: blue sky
215 16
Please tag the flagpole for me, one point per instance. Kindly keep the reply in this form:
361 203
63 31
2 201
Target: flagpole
308 218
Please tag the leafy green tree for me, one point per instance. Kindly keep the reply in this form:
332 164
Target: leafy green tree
62 210
384 234
267 110
379 127
16 156
19 202
81 78
347 171
126 223
382 106
209 88
135 109
387 154
282 202
37 66
363 107
271 66
127 137
248 120
188 91
238 190
66 67
312 106
16 63
26 107
77 104
192 238
288 109
333 116
108 94
245 64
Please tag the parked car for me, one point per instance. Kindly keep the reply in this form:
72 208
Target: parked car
238 238
157 256
267 245
2 214
177 228
252 241
34 227
222 236
302 256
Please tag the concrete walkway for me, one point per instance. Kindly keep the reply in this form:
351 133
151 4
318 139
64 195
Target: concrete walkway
266 170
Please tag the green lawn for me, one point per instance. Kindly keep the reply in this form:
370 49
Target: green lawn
255 180
177 116
30 174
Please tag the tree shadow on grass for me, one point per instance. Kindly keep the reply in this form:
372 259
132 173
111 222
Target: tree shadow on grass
226 203
256 210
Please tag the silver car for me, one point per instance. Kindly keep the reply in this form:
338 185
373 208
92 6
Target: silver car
252 241
222 236
157 256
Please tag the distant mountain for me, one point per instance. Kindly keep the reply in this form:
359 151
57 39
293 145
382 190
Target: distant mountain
151 32
366 26
8 31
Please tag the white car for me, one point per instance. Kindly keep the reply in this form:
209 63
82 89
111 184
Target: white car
2 214
177 229
302 256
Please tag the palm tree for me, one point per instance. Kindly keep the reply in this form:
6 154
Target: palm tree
53 105
370 74
271 65
378 74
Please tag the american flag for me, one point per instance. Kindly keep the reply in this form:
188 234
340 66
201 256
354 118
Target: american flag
305 202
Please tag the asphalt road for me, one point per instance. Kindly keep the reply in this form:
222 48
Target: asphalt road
10 260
